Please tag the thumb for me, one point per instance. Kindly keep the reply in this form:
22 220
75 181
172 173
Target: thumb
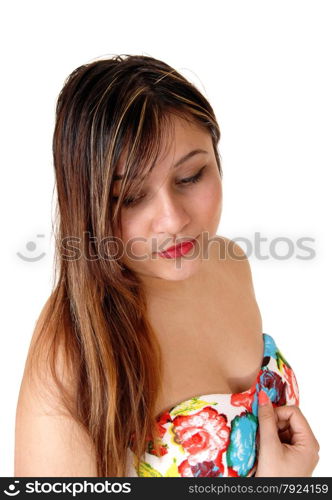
268 429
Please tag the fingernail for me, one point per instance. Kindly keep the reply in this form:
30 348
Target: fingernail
263 398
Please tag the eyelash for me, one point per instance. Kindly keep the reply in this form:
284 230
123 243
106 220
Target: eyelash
129 202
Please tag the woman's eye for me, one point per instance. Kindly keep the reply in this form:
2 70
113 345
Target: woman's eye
195 178
130 201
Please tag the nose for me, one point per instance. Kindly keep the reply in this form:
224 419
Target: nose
169 215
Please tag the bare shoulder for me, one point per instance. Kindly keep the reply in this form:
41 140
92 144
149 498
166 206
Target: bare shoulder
235 259
236 266
38 376
49 442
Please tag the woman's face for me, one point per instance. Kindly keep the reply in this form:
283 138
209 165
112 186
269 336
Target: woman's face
180 200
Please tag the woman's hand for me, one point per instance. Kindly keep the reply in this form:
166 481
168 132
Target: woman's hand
287 446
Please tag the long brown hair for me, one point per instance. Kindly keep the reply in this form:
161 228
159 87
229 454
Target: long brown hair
96 316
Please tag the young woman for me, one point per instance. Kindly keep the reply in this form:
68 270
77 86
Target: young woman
148 359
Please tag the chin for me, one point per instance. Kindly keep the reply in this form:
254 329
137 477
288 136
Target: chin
181 270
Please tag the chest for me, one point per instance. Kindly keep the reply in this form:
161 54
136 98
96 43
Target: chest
209 345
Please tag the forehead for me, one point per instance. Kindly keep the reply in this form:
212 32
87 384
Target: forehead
183 139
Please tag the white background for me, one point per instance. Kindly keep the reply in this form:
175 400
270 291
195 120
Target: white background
265 66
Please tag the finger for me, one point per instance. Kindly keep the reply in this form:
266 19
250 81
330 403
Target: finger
299 427
282 424
283 430
285 436
267 421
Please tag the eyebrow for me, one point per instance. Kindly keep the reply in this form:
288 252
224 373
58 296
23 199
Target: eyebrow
178 163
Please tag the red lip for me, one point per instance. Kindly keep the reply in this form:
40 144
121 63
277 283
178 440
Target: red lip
177 247
178 250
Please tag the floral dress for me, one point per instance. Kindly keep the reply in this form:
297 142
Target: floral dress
215 435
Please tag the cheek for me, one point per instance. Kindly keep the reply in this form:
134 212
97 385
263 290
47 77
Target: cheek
134 234
207 200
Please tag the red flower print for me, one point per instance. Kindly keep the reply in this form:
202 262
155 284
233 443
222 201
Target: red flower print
231 472
162 447
161 421
185 469
292 390
205 436
244 398
274 385
152 450
205 469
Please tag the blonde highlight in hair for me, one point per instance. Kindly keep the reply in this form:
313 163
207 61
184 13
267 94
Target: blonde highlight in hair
96 317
